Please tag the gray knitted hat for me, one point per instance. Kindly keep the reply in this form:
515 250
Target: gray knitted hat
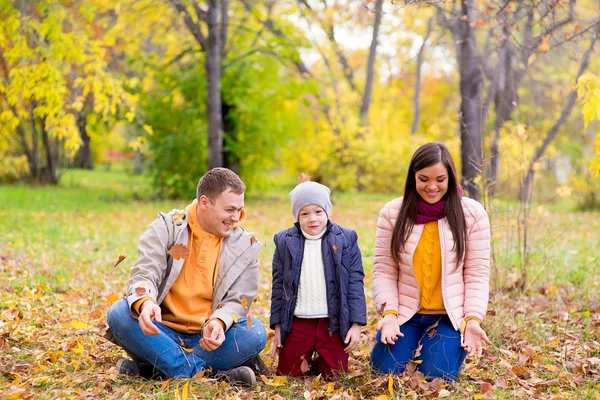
310 193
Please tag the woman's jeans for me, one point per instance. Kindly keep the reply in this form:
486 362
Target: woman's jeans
176 354
441 355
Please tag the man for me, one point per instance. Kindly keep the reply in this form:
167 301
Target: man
190 289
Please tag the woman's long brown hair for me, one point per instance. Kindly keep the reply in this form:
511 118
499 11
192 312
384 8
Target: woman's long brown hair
425 156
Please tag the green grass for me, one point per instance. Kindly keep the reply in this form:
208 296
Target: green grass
56 265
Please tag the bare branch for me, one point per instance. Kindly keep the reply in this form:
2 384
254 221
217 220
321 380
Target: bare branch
189 22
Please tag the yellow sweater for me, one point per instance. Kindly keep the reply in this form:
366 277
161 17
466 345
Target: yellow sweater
427 264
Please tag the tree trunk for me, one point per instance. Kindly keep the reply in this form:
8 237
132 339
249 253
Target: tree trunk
505 102
417 96
85 151
366 100
51 159
471 84
230 159
213 76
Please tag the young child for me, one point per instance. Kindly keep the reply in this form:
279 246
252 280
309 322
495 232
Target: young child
318 300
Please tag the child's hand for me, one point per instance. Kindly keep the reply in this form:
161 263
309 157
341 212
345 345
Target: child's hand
276 342
390 329
352 338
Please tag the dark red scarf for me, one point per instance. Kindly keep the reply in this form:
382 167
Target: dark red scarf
432 212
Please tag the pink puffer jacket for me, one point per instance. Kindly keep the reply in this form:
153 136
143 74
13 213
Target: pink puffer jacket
465 290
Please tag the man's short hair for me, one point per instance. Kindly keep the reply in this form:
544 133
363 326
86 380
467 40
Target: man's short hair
218 180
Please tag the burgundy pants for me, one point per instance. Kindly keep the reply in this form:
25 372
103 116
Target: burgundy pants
307 337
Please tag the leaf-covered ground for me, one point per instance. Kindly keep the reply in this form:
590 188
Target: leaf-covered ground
59 245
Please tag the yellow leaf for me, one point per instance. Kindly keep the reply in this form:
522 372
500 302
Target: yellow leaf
56 355
276 381
545 46
531 59
148 129
80 324
391 384
244 302
330 387
184 391
235 318
112 298
130 116
77 350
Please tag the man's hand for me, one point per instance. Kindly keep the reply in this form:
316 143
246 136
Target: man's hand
276 342
473 338
150 311
352 338
390 329
212 336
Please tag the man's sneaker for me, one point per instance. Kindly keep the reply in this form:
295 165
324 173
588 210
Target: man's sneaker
258 366
128 367
242 375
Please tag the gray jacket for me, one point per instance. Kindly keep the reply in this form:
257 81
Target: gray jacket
156 271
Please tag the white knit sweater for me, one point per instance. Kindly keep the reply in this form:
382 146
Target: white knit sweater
312 292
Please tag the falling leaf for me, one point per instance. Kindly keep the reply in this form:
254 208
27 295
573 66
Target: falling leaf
305 366
184 391
418 350
335 249
179 251
112 298
121 258
252 240
531 59
140 291
248 322
244 302
79 324
577 28
303 178
235 318
431 331
545 46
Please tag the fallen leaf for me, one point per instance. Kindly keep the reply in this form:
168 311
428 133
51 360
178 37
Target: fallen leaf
121 258
391 384
486 390
443 393
185 390
79 324
179 251
276 381
248 322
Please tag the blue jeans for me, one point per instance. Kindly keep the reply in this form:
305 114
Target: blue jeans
166 351
441 354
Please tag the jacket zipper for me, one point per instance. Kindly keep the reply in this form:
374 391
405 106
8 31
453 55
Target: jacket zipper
444 274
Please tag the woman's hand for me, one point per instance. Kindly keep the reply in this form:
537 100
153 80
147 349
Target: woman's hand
276 342
474 335
390 329
352 338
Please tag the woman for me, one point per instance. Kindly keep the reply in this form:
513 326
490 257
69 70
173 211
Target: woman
431 271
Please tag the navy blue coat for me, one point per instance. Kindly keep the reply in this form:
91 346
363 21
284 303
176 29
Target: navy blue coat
344 277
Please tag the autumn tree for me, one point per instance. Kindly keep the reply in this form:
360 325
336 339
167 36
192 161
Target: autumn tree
51 68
